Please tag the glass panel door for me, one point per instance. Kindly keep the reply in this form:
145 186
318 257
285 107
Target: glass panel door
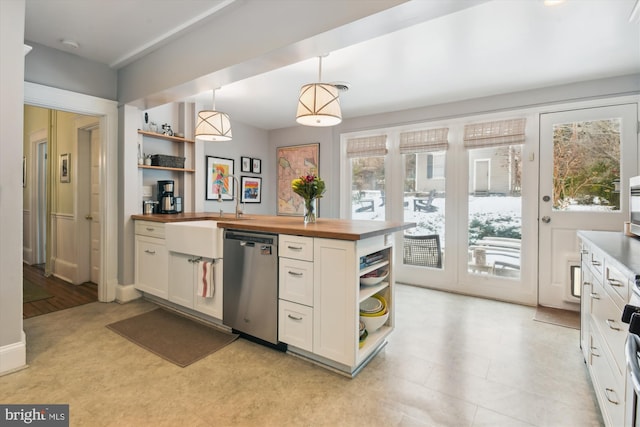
495 211
424 204
368 198
586 159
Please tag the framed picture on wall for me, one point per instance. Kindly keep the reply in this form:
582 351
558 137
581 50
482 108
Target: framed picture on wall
245 164
256 165
292 162
219 183
251 189
65 167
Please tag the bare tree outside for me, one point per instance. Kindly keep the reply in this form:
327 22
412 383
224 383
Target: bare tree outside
586 163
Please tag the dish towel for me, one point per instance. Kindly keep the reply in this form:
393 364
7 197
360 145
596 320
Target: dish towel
206 286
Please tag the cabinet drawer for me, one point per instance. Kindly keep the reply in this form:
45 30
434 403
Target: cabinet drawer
295 281
595 260
150 228
608 385
296 247
617 285
295 325
607 316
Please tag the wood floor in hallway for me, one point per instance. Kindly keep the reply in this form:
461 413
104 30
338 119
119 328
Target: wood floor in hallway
64 294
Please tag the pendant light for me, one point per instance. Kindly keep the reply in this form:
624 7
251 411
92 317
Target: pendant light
318 103
213 125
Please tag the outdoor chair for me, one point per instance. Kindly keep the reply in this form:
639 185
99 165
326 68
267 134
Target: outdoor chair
424 251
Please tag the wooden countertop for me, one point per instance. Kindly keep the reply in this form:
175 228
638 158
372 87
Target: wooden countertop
331 228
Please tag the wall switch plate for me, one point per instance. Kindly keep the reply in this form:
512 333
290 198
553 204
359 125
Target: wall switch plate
147 191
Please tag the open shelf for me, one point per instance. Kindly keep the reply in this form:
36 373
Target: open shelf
165 168
167 137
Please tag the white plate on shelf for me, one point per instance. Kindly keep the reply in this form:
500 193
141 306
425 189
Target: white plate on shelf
373 280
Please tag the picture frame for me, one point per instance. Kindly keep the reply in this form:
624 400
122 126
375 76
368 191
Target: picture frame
256 165
292 162
65 167
245 164
219 185
251 189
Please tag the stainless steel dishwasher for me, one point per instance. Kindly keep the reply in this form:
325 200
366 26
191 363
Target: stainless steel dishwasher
250 284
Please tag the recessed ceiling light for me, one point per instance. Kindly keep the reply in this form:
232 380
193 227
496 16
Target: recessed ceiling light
553 2
70 43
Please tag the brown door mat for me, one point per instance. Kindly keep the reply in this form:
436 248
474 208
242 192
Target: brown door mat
556 316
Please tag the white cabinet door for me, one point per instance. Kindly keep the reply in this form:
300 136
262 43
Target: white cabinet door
210 306
181 279
151 261
335 310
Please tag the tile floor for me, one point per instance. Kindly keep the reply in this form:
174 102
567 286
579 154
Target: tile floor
452 361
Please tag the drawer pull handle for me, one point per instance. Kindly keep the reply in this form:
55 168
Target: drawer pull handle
586 283
584 251
611 323
293 317
593 353
616 283
150 228
607 391
294 248
150 252
594 295
596 263
293 273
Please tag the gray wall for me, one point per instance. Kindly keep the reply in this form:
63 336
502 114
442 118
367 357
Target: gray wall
62 70
12 346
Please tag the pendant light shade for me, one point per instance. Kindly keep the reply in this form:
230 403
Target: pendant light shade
213 125
319 104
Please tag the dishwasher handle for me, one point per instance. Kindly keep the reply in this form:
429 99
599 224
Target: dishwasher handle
245 243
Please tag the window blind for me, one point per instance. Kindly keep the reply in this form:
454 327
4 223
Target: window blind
422 141
367 146
489 134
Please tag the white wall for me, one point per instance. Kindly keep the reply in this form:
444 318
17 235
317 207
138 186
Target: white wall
12 339
51 67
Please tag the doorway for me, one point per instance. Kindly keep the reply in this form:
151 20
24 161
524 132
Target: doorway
107 112
583 154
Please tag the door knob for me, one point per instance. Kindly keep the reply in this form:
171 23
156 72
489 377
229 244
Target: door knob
546 198
88 216
546 219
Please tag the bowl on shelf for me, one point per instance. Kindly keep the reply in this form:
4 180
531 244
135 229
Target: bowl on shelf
363 337
374 277
373 323
373 306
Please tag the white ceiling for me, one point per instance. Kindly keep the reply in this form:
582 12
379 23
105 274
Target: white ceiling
493 48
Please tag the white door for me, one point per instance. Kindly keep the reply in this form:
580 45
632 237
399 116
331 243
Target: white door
481 176
582 153
95 205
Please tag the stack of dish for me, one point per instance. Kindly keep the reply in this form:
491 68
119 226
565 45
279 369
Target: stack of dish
373 312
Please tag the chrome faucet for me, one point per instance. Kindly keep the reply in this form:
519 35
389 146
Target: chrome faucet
236 186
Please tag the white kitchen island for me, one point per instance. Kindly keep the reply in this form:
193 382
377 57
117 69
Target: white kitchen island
320 266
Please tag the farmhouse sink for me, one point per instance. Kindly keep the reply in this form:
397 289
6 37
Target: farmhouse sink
199 238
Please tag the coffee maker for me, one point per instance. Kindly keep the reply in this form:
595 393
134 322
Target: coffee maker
166 200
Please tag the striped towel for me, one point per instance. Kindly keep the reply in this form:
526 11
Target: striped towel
206 286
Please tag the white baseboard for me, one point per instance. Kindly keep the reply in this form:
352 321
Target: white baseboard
13 357
27 255
126 293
